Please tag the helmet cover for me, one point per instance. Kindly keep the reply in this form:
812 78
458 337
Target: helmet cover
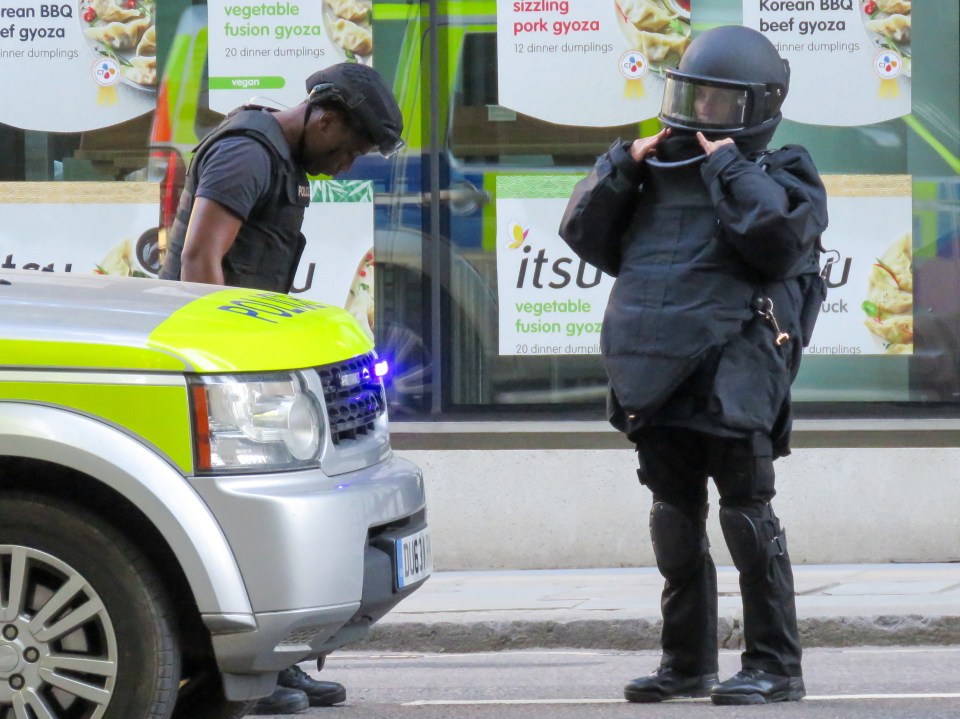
367 100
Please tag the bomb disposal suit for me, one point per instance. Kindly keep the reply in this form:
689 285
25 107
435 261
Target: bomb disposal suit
717 285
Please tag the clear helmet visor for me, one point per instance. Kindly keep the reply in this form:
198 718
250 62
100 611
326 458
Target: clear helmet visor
707 105
391 146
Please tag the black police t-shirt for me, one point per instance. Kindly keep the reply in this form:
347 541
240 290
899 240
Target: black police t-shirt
236 173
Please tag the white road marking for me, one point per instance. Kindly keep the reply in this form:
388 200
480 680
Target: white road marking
365 657
462 655
462 702
829 697
900 650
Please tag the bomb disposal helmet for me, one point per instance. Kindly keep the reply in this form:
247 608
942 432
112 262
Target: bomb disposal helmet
729 79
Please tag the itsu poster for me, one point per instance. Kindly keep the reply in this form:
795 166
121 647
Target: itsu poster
551 302
851 60
110 228
589 63
337 266
869 307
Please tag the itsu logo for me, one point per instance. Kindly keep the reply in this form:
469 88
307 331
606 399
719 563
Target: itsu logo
518 234
539 268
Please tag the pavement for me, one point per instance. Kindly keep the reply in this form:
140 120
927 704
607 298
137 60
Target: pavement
837 606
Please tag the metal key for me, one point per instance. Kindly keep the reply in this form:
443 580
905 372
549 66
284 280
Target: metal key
766 311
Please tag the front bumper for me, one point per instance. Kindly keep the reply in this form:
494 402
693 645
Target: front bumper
313 554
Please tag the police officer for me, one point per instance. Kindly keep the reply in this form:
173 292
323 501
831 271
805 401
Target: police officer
714 243
239 218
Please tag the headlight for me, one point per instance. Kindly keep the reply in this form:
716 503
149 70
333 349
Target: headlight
255 423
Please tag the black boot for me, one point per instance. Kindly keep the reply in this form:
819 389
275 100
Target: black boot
320 694
282 701
665 683
754 686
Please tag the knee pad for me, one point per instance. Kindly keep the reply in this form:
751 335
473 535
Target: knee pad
753 541
679 543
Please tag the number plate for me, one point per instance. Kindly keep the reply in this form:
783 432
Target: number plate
414 558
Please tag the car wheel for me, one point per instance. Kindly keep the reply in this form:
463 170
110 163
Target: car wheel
201 695
86 628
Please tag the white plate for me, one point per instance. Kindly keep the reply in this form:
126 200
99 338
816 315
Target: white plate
121 54
883 43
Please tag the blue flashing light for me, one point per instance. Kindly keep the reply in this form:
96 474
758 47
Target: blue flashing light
381 368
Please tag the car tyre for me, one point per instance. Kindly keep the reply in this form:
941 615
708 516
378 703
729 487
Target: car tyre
87 628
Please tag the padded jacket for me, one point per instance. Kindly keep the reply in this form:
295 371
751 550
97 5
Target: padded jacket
714 257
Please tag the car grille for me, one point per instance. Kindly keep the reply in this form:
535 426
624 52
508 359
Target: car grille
354 397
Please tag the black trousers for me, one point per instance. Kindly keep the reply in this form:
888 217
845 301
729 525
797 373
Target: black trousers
675 464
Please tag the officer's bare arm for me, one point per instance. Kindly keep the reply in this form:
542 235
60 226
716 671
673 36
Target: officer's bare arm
211 232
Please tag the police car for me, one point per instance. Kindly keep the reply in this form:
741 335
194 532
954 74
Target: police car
197 490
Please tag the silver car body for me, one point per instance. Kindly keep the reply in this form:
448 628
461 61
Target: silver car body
282 566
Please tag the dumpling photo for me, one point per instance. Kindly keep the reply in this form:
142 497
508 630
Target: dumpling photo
352 37
896 27
645 15
655 28
901 7
348 24
889 303
110 11
658 47
126 32
148 43
889 25
141 70
351 10
117 261
360 299
120 35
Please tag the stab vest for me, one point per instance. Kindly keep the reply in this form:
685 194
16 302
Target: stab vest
268 246
680 291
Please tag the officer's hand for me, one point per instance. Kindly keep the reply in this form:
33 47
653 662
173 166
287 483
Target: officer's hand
710 146
645 145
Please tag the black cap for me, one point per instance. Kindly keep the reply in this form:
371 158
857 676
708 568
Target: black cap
366 98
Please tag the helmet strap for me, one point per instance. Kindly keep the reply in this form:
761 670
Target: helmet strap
308 110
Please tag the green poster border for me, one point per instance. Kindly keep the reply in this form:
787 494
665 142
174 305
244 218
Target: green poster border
536 187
